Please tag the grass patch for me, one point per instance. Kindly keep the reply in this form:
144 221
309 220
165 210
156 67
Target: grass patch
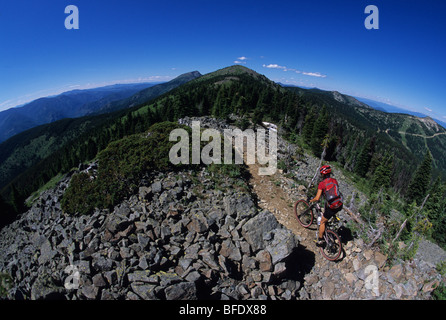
49 185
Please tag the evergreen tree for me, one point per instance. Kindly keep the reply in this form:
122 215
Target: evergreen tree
436 211
419 185
364 158
16 199
307 130
257 117
383 173
320 129
218 104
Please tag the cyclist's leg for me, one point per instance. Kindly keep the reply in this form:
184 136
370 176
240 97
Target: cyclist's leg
322 227
328 213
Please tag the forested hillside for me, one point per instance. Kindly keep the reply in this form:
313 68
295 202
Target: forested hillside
71 104
28 148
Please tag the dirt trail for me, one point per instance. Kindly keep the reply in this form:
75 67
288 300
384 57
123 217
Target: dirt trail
274 198
349 277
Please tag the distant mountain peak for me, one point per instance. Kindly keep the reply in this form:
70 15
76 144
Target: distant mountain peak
343 98
189 75
234 70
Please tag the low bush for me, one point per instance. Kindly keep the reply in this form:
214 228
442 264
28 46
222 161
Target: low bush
121 165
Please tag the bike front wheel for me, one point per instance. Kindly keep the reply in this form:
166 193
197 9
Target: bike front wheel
332 248
304 213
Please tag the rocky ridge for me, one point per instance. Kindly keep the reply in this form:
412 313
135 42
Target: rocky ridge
197 235
178 238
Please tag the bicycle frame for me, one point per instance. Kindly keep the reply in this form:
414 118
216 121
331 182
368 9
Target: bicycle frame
330 228
332 223
333 246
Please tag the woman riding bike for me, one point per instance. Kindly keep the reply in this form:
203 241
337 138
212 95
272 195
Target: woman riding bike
333 204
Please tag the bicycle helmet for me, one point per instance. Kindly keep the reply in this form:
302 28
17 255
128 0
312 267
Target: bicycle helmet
325 169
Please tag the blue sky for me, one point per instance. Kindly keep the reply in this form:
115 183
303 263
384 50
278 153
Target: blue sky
309 43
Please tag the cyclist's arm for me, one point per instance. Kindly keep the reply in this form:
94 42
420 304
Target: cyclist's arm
318 196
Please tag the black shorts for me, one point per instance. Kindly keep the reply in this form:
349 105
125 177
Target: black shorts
329 213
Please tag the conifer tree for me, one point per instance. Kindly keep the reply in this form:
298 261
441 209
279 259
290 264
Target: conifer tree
16 199
419 185
436 211
383 173
364 158
319 131
307 130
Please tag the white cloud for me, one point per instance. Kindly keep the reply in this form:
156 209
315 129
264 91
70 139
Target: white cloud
274 66
426 108
241 60
311 74
314 74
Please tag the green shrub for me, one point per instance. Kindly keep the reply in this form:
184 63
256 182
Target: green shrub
439 293
81 196
5 284
121 165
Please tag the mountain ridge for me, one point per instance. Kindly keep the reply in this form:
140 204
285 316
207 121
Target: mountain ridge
23 150
377 105
68 104
83 102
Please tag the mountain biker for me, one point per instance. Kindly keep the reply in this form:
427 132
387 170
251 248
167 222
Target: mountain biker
330 210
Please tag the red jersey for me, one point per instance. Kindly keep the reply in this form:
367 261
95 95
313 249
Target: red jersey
331 192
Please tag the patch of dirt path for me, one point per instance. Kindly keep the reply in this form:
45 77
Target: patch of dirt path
274 198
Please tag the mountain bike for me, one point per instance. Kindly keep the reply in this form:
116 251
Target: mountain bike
305 214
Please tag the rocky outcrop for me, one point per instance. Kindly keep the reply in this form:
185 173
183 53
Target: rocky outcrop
362 274
177 238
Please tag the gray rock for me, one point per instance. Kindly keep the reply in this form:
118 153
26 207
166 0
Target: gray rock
282 245
112 277
83 266
143 241
99 281
46 252
144 192
143 276
168 278
198 223
144 290
245 207
157 187
44 288
102 263
253 230
181 291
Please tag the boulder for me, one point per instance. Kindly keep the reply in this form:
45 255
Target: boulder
255 228
282 245
181 291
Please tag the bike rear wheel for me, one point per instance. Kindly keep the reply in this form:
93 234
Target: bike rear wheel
304 213
332 248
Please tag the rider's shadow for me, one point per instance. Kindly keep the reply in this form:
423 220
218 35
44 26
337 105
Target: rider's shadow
346 235
300 262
